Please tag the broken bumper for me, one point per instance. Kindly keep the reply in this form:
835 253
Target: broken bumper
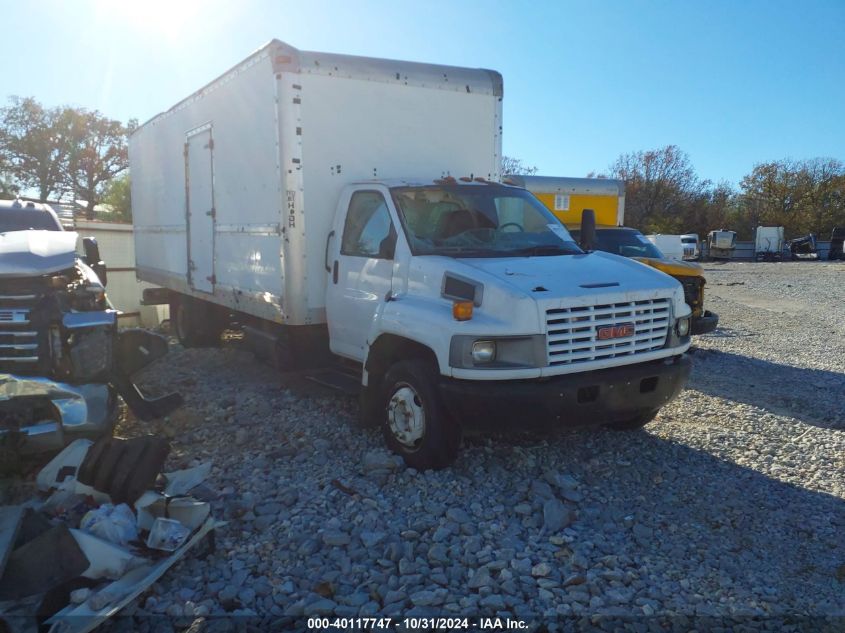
58 412
707 322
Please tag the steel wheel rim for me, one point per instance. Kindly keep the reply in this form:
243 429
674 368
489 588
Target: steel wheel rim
406 416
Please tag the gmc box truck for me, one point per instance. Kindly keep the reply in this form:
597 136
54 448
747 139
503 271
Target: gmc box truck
347 204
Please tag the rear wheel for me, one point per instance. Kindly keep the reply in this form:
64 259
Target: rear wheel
195 323
414 422
635 423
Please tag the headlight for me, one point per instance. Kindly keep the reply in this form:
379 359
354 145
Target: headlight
683 327
484 351
467 351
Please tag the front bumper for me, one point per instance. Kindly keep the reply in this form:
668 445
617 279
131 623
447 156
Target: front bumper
590 398
705 323
54 413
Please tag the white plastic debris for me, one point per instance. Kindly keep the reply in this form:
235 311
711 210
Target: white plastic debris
112 523
167 535
187 510
107 559
63 466
181 481
80 595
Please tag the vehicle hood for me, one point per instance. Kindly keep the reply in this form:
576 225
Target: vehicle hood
674 267
30 253
574 275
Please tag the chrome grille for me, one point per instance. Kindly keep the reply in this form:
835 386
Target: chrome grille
19 340
572 333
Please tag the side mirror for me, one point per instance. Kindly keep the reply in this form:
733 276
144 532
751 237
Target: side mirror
92 258
387 247
588 229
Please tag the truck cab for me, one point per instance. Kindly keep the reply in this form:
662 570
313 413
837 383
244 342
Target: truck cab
466 303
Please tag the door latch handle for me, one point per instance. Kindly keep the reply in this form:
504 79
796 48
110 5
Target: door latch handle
334 272
326 262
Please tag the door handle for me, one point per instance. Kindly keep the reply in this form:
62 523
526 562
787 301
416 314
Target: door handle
334 272
326 259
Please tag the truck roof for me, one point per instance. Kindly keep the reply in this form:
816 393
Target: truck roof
416 182
286 58
560 184
22 215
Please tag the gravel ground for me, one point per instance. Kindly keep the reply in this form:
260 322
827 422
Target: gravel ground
728 509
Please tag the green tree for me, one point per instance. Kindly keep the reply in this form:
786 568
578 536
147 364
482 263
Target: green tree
35 143
117 196
98 154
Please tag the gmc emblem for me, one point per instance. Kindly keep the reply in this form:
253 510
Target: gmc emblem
615 331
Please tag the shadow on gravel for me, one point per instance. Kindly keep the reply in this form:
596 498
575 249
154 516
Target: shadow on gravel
814 396
708 536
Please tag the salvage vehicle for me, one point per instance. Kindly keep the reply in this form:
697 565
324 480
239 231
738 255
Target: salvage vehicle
692 246
348 209
62 359
612 237
803 248
768 243
721 244
671 246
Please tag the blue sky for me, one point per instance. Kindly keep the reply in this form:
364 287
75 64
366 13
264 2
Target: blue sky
732 83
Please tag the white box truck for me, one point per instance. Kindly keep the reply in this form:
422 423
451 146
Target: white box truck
352 203
768 243
670 245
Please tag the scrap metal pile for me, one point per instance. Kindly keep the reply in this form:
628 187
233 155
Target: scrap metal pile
105 526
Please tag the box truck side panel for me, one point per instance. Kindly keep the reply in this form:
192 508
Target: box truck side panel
355 129
230 127
567 197
568 207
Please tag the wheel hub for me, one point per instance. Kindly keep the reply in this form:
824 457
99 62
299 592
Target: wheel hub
406 416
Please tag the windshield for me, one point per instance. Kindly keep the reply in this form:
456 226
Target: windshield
626 243
24 220
479 221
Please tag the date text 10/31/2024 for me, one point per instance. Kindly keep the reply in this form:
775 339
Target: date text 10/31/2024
448 624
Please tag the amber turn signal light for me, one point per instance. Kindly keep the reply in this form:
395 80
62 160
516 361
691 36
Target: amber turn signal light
462 310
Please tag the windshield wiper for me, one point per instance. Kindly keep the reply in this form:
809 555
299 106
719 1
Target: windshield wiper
543 250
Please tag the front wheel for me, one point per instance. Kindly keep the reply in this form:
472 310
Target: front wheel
635 423
414 422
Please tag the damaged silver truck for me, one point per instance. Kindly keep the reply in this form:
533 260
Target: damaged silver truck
63 360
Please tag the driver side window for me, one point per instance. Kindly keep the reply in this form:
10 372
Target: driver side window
368 230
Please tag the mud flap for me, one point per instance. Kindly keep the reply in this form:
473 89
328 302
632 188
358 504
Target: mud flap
134 350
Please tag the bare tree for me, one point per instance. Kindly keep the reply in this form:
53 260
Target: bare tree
515 167
660 185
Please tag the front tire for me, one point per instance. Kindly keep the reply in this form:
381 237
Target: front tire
414 421
635 423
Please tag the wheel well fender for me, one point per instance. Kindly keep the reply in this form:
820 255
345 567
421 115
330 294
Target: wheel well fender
388 349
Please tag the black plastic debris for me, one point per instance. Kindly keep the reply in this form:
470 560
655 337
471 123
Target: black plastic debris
124 469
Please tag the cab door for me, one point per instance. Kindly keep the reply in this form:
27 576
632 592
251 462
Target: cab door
360 266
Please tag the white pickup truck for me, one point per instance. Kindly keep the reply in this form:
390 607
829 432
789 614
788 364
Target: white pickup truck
328 202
